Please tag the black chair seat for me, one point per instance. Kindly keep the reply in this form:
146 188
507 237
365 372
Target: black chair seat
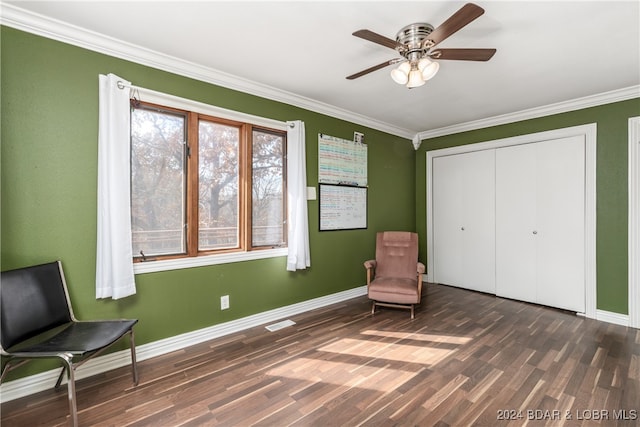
77 338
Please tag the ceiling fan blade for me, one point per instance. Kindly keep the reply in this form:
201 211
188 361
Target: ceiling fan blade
462 17
377 38
463 54
372 69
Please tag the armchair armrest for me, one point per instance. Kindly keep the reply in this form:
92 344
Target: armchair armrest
421 270
370 265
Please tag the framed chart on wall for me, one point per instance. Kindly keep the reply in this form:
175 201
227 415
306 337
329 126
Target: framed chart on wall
341 161
342 207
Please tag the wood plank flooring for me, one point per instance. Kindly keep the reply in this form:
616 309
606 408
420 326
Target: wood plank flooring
468 359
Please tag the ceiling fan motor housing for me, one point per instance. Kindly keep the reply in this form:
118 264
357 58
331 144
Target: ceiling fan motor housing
412 37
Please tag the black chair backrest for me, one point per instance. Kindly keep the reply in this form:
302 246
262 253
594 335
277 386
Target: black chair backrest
32 300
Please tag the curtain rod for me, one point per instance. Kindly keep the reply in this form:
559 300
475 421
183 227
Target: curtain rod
122 85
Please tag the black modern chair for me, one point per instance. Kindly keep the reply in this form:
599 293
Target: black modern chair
38 323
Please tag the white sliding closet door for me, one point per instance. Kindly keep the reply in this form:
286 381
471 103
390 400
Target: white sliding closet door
516 261
464 220
540 220
447 219
561 250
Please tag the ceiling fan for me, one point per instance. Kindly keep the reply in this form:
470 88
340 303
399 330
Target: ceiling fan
416 42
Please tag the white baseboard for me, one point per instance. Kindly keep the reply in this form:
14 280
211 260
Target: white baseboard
608 316
35 383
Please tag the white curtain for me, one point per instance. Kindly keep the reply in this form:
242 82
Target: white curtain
114 266
298 257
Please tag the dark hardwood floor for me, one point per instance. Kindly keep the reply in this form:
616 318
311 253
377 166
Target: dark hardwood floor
466 359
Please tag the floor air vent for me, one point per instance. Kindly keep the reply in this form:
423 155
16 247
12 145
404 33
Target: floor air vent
280 325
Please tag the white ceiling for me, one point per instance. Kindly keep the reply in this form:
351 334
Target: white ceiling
547 52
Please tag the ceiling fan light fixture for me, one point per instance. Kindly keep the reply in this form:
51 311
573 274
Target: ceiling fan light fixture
415 79
400 74
428 68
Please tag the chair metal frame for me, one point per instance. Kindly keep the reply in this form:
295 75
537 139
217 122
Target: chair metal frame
71 359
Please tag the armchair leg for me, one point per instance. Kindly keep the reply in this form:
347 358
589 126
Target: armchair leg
394 305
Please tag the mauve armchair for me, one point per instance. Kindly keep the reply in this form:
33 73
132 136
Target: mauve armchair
394 278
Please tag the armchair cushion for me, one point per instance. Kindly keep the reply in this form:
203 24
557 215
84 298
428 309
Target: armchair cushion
397 254
395 290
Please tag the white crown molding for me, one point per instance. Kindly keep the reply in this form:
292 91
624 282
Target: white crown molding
21 19
532 113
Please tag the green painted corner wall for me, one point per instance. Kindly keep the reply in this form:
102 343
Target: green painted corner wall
611 186
49 129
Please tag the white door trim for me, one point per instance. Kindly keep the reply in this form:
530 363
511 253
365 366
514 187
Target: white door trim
634 222
590 133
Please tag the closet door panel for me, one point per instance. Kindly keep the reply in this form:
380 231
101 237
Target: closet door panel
515 222
447 216
464 220
478 221
560 223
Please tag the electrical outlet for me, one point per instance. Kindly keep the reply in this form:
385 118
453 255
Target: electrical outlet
224 302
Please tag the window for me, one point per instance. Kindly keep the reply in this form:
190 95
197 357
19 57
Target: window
202 185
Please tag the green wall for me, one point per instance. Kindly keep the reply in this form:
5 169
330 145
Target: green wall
611 186
49 179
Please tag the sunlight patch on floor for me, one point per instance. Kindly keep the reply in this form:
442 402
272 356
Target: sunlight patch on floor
447 339
376 360
379 378
424 355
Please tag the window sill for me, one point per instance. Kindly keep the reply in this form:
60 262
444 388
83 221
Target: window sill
180 263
